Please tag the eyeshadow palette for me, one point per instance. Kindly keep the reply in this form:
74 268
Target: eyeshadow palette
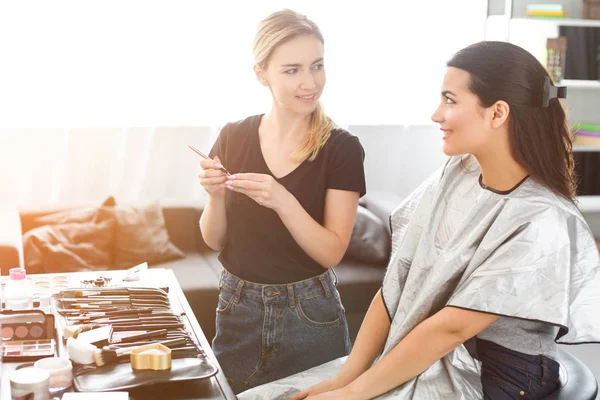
27 350
28 331
26 334
26 325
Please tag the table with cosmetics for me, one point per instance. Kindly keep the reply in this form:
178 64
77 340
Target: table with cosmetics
212 387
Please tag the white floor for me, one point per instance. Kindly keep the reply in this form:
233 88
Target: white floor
589 354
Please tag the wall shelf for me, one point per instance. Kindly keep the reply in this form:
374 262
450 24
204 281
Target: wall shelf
580 84
589 204
564 21
586 148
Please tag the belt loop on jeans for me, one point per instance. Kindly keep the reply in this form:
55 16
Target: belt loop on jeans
291 296
543 365
238 291
335 278
221 277
325 286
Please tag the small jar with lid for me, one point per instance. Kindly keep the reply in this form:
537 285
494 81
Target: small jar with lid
31 383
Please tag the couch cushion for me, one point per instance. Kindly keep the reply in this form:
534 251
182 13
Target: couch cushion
78 215
370 241
71 246
382 204
142 236
182 221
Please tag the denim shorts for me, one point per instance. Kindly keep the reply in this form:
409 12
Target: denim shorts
508 374
265 332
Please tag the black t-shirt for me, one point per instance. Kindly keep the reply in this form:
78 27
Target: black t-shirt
258 246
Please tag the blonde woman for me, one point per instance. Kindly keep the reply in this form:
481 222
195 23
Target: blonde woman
284 216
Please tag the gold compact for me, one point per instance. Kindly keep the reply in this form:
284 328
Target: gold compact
151 356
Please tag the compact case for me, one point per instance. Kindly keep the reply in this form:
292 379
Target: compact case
27 335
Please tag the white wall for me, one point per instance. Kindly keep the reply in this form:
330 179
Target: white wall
399 157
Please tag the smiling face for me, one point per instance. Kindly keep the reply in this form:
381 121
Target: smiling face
295 74
461 117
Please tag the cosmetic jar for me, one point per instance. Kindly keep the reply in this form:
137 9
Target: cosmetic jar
60 370
29 381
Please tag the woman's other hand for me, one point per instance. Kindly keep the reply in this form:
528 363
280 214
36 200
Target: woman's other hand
262 188
323 387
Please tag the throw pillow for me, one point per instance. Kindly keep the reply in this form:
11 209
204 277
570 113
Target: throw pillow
74 215
370 241
70 247
382 204
141 236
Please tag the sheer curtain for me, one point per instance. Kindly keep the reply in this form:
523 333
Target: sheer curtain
101 98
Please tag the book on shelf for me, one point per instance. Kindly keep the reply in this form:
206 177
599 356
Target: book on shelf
588 133
545 7
545 10
583 141
590 128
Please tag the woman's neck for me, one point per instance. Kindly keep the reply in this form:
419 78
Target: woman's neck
500 171
284 125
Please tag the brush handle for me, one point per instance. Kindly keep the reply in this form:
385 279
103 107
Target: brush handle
116 292
147 335
101 315
121 328
140 320
116 346
167 343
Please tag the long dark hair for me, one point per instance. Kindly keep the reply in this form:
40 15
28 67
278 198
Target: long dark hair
540 138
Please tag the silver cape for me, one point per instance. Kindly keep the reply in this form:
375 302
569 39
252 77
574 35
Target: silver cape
526 254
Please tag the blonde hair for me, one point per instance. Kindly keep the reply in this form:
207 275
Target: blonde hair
276 29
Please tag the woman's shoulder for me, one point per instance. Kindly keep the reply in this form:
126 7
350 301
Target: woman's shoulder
342 140
341 134
540 207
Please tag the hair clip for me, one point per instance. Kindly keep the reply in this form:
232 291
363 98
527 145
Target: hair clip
552 92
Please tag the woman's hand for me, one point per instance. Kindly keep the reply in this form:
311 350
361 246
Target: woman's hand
324 387
212 178
262 188
338 394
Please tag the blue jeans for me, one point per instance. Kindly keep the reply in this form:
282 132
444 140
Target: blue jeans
267 332
508 374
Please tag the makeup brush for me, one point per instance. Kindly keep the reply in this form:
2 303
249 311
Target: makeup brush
74 330
72 302
130 321
119 345
112 312
87 317
146 335
117 292
107 355
170 326
80 351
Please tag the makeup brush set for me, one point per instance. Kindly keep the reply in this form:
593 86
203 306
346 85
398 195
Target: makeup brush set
122 337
